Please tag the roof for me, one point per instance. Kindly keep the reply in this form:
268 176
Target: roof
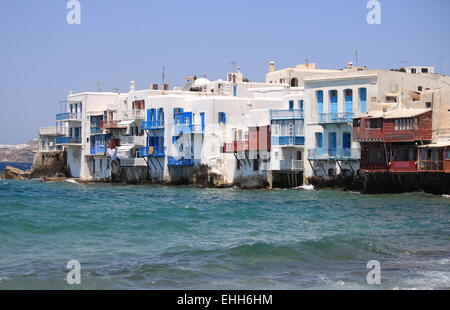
405 113
399 113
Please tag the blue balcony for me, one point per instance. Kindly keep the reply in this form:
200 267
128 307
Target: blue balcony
288 141
334 154
96 130
286 114
152 151
68 116
68 140
98 150
180 129
180 161
335 118
152 125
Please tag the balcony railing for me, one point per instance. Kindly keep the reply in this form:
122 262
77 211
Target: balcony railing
133 114
135 140
152 151
180 162
68 117
288 140
334 154
335 118
431 165
291 165
133 162
98 150
152 125
68 140
236 146
51 131
110 124
96 130
286 114
188 129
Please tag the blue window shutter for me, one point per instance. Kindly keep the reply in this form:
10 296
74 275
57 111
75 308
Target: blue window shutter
319 141
319 101
363 99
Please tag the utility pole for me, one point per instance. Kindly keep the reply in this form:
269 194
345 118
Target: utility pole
163 74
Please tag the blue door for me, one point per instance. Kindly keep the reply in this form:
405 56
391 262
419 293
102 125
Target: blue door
363 99
332 143
202 116
333 104
346 140
348 101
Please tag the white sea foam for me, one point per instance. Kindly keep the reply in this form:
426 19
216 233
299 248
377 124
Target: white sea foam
306 187
71 181
446 196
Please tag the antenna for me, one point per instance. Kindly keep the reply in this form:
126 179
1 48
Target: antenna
356 58
163 74
98 87
233 63
442 65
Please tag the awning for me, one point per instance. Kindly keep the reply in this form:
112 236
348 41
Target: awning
126 123
435 145
125 148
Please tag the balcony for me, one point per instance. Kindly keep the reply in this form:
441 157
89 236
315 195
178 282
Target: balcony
334 154
236 146
133 162
286 114
288 140
50 131
68 117
132 140
403 166
335 118
98 150
68 140
111 125
96 130
180 162
180 129
431 165
152 151
152 125
133 114
287 165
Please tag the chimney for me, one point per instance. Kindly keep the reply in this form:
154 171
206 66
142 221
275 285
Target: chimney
155 87
165 86
132 86
272 66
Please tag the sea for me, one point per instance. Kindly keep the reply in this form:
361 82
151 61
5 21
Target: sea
163 237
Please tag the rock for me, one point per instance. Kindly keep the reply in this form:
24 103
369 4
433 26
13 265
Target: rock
49 164
11 173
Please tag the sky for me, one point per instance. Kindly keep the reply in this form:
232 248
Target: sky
42 57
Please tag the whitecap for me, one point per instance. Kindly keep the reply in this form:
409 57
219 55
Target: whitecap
306 187
446 196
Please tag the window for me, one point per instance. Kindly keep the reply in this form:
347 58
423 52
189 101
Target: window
255 164
420 88
356 122
294 82
375 123
291 104
428 105
447 155
299 155
319 99
424 70
301 104
222 118
319 140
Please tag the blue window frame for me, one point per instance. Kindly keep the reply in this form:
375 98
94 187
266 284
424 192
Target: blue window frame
319 98
291 104
348 100
363 99
346 140
333 101
222 118
301 104
319 140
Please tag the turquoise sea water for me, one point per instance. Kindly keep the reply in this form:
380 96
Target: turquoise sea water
156 237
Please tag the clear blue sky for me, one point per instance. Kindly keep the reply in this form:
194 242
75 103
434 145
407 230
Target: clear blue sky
42 57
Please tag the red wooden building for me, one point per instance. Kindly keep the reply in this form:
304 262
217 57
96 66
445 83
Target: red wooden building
389 141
